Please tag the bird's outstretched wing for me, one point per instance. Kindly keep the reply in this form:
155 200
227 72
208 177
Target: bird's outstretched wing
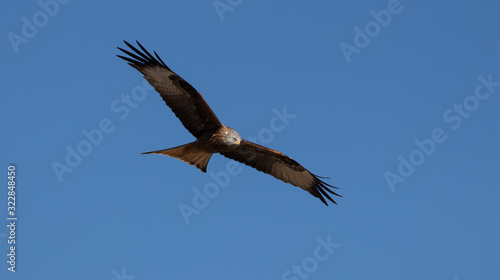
186 103
281 167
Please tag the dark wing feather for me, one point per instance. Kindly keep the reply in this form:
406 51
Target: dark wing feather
281 167
186 103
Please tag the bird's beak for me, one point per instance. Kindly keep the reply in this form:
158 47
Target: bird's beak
238 142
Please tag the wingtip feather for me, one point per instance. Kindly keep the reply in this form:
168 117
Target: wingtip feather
143 57
322 189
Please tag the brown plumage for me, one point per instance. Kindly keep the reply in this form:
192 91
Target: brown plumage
211 135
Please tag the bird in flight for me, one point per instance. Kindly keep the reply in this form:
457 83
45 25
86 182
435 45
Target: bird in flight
211 135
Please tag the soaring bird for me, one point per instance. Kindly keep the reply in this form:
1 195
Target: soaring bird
211 135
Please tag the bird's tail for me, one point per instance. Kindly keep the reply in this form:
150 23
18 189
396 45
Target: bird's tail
189 153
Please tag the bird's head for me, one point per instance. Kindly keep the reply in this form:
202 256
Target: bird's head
232 137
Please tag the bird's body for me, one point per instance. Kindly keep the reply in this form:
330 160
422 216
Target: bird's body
198 153
211 135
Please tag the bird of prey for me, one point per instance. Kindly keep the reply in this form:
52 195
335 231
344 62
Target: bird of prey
211 135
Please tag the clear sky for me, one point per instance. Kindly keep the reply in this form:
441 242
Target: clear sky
396 101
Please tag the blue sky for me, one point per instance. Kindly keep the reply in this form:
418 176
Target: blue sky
396 101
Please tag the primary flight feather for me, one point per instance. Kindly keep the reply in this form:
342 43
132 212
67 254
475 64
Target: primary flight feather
211 135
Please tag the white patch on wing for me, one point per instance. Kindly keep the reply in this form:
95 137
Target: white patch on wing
158 73
159 77
300 179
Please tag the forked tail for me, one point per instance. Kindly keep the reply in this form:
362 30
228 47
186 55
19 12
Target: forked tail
189 153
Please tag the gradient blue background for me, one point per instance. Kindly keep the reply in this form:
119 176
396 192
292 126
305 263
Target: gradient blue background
119 209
